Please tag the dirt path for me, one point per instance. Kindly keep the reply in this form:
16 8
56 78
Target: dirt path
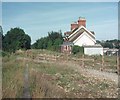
26 90
102 75
88 72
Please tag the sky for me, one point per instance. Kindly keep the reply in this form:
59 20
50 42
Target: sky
39 18
60 0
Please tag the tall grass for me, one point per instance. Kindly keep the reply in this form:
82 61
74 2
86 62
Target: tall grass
12 77
46 78
59 79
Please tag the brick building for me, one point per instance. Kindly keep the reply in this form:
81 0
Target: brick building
66 47
79 35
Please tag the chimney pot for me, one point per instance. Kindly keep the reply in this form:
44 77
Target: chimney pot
82 22
74 25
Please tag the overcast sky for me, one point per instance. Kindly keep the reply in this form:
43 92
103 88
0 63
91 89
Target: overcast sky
37 19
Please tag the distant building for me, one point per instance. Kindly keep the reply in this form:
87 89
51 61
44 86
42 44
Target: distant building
110 52
93 50
81 36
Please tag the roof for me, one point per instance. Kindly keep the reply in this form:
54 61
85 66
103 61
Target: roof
92 32
74 30
78 31
113 50
75 36
67 43
67 33
93 46
105 48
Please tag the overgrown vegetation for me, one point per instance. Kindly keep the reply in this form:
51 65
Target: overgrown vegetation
50 42
51 79
77 49
12 77
4 53
66 80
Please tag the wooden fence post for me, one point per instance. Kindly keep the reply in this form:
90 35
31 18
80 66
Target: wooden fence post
55 57
67 56
118 62
102 63
83 65
93 62
118 71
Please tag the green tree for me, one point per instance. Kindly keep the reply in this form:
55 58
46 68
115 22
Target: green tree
1 37
57 44
110 43
50 42
16 39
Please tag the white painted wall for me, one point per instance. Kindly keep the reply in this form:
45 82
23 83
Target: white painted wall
93 51
84 39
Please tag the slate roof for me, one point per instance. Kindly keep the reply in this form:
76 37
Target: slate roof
67 43
93 46
78 33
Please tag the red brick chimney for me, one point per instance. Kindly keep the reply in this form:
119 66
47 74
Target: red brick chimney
74 25
82 22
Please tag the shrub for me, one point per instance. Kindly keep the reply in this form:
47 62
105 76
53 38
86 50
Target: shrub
77 49
3 53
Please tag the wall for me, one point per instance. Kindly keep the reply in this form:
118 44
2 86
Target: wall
84 39
93 50
66 49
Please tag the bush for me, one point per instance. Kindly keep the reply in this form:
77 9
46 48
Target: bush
3 54
77 49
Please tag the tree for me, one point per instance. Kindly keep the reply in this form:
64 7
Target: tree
1 37
110 43
50 42
16 39
57 44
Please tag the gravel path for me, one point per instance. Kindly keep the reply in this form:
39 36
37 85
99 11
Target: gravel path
100 74
88 72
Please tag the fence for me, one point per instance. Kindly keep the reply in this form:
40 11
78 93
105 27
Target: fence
103 63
